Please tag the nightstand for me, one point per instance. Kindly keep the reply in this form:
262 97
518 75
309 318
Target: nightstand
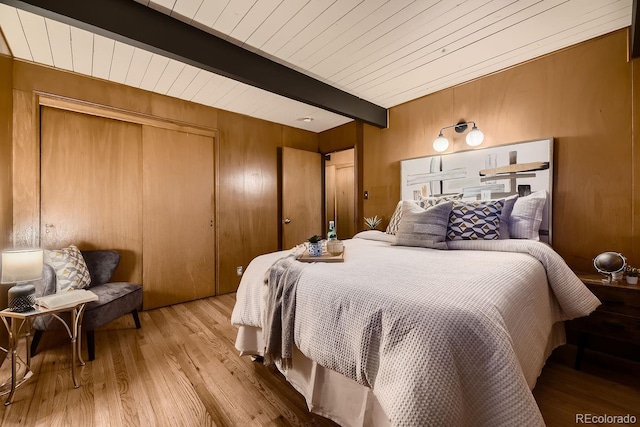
618 318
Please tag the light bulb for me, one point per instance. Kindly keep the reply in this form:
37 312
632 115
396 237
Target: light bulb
475 137
441 143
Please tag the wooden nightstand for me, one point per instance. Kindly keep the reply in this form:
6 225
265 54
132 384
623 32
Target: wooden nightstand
618 317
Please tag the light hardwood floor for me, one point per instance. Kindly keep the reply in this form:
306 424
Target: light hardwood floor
181 369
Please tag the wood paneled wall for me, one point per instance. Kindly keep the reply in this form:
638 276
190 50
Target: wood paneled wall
247 163
582 96
6 156
6 130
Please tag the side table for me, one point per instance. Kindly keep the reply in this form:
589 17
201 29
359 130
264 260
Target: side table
618 318
14 322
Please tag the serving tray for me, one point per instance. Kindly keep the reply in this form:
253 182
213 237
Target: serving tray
325 257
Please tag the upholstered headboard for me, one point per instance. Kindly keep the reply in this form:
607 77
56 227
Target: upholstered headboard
486 173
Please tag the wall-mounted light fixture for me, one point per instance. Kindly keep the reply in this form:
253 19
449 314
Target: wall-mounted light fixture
474 137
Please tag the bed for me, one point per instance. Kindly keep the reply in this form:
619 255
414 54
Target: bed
392 337
447 318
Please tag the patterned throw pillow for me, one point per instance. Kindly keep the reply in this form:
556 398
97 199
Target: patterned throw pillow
427 202
475 220
423 228
71 270
392 228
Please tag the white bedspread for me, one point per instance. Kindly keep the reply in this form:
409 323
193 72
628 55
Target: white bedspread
453 337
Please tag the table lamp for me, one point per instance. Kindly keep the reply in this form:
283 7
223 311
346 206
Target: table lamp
21 266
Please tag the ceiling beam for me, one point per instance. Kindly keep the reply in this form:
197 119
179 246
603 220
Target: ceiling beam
635 31
135 24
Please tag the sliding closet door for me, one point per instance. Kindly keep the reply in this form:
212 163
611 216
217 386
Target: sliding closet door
178 224
91 186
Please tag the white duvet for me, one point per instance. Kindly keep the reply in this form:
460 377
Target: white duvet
442 337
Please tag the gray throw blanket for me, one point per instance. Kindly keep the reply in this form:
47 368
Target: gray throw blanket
279 313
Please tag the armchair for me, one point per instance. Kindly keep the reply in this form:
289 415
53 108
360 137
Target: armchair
115 299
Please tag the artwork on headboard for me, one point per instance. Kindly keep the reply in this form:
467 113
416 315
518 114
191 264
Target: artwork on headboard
488 173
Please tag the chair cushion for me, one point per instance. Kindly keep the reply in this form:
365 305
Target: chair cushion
114 300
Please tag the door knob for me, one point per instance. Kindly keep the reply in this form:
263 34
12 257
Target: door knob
47 227
286 221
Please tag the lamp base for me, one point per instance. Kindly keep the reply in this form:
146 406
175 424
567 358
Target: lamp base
21 297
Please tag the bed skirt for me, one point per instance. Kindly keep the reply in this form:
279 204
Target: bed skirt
335 396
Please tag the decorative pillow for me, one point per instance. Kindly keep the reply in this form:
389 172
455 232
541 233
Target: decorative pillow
71 270
424 202
526 216
427 202
423 228
392 228
478 220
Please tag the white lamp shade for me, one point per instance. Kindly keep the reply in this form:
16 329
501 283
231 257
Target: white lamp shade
475 137
21 265
440 144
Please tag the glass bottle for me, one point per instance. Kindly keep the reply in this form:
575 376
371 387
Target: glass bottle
331 234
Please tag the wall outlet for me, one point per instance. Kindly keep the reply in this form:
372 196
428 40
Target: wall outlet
239 270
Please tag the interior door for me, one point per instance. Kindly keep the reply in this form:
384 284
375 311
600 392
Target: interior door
301 196
91 186
345 203
178 216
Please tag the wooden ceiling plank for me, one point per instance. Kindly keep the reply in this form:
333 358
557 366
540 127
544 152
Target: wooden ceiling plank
207 94
227 92
12 29
82 50
253 19
209 12
102 56
316 27
183 80
156 68
273 24
186 9
169 75
294 27
164 6
364 13
122 55
232 15
196 84
139 64
60 41
35 30
397 22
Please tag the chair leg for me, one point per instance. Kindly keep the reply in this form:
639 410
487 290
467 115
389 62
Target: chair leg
36 340
91 345
136 319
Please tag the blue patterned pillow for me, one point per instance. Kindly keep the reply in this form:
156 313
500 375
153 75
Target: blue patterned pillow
475 220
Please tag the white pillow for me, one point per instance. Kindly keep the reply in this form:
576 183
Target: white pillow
505 216
526 216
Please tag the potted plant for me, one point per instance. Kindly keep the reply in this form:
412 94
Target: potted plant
372 222
632 275
315 245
